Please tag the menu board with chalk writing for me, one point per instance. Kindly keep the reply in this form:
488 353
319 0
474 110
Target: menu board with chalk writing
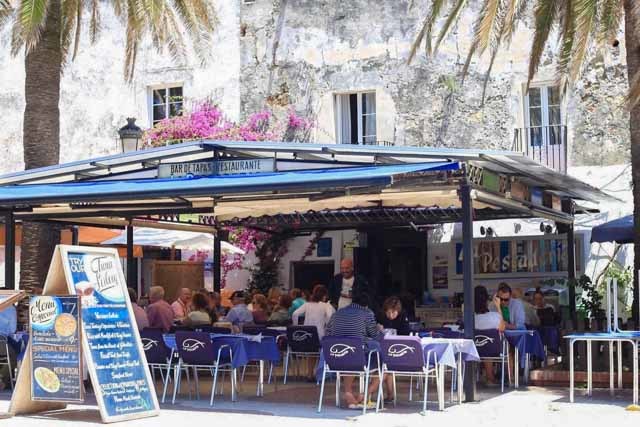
114 354
56 364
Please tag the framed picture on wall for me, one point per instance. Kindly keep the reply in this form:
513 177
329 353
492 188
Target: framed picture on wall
440 272
323 249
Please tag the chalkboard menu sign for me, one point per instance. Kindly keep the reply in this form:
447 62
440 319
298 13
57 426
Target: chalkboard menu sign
56 368
115 358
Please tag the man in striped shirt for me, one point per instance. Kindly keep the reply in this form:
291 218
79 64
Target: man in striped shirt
355 320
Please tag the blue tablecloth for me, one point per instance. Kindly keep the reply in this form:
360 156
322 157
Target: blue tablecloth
550 338
528 343
245 348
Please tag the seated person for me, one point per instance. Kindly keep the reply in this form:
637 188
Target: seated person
260 310
511 309
280 315
199 314
8 326
393 316
182 306
530 314
546 312
138 312
159 311
485 320
239 314
355 320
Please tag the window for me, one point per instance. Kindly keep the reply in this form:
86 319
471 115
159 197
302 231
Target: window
165 102
543 115
356 118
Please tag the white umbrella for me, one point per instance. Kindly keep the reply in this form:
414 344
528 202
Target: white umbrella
172 238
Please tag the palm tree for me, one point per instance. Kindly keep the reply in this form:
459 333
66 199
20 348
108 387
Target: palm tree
579 24
49 33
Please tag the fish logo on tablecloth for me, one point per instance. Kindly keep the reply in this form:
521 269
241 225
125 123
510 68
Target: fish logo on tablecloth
399 350
148 343
191 344
482 340
341 350
299 336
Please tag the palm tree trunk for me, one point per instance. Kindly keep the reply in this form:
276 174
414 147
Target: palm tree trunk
632 41
41 141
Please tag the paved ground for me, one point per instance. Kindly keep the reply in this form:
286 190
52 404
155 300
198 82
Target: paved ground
295 405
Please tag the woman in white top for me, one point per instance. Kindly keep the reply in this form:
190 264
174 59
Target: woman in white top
485 319
317 312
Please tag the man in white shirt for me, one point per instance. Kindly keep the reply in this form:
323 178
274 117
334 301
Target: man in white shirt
345 284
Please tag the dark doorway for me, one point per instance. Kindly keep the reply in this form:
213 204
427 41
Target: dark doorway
308 273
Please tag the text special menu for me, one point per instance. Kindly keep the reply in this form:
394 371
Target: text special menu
56 370
116 360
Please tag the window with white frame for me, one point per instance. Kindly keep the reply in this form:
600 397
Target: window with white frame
166 101
543 115
355 115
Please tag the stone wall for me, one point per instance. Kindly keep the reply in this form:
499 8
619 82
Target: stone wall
300 53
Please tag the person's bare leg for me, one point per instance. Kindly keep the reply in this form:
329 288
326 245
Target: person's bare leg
388 386
488 368
373 388
347 395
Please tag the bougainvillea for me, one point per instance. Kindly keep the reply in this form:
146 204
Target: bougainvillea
207 121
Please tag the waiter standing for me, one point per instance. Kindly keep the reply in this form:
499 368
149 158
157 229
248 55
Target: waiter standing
345 284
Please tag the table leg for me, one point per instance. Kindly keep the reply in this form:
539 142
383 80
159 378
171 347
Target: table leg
571 368
441 387
620 365
634 344
611 370
589 368
460 378
260 379
516 366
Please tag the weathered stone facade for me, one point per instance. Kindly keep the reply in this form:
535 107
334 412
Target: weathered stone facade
300 53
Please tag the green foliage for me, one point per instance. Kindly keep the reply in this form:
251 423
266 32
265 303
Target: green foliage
624 277
591 299
265 274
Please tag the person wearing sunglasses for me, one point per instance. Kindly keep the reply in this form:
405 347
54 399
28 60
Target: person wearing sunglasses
511 308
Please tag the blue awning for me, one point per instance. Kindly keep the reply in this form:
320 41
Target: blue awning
319 179
619 230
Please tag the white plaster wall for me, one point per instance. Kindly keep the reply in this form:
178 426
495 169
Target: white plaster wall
95 99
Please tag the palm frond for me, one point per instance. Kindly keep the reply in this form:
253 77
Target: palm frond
609 22
68 23
94 22
426 29
6 10
452 19
567 38
486 24
515 13
585 12
544 18
29 24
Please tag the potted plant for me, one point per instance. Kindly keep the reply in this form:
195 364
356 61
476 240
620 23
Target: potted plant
591 303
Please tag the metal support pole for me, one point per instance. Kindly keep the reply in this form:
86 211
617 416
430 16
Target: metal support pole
571 272
9 251
131 262
75 235
217 258
467 283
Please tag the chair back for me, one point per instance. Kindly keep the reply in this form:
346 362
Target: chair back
253 329
218 330
344 353
445 333
195 348
488 342
176 328
155 349
303 339
403 353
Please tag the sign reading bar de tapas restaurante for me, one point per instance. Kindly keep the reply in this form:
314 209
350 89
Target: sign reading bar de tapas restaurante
216 167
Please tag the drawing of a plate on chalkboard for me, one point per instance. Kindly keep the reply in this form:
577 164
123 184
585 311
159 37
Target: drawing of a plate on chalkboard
47 379
65 325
